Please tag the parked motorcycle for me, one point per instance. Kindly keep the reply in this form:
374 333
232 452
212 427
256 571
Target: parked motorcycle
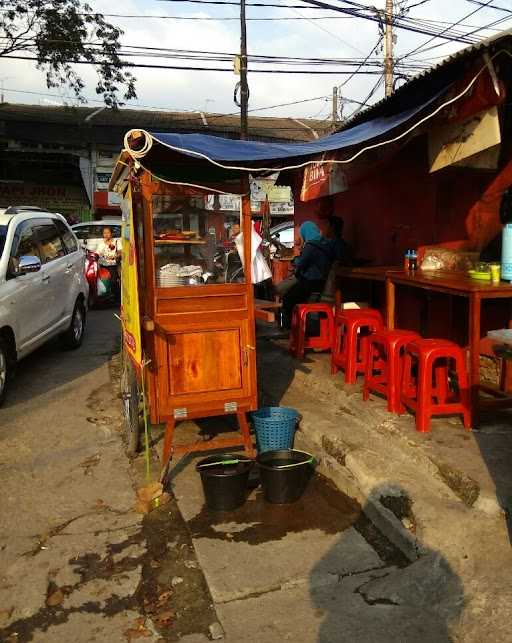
102 290
227 263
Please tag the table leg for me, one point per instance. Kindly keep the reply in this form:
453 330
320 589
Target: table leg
246 434
168 440
337 296
390 304
474 356
507 366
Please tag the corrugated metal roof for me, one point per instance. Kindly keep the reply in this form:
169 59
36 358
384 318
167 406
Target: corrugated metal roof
438 71
125 119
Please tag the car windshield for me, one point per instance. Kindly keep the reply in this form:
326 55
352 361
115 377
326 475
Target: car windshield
3 236
96 231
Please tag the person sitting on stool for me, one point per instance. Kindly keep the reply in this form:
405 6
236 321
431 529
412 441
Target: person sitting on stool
311 269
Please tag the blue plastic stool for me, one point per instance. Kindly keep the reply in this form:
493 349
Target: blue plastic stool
275 428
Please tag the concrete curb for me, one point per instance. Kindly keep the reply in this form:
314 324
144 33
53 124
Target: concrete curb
346 481
318 381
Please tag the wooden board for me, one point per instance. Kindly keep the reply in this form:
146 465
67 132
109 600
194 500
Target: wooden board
201 361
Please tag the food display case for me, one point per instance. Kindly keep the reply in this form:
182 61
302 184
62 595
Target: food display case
187 308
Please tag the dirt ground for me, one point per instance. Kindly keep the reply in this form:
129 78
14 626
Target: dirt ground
399 537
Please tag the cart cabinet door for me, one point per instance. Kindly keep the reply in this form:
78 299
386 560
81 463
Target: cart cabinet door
205 361
212 365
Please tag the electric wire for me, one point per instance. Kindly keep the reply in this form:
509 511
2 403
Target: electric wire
211 117
130 65
379 40
472 13
491 6
355 10
350 159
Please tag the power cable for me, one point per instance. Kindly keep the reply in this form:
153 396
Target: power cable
355 10
374 18
379 40
247 4
442 44
343 42
185 54
350 159
472 13
418 4
188 68
252 109
370 95
491 6
207 18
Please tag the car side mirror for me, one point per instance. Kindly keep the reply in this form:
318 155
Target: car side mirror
28 263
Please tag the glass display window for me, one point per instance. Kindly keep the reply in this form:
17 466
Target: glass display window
196 240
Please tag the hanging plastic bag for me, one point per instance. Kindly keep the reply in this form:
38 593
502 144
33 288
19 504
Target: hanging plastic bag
101 288
103 283
259 267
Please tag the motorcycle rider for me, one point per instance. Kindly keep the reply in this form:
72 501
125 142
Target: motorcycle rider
109 254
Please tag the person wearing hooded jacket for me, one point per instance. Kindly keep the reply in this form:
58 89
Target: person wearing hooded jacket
311 269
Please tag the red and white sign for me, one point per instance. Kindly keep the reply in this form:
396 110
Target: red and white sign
322 179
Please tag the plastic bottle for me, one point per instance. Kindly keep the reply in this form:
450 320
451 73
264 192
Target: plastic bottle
413 261
506 252
407 260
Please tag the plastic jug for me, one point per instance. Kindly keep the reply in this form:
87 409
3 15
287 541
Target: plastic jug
506 252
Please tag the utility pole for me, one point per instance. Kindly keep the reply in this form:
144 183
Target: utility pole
334 107
244 87
388 44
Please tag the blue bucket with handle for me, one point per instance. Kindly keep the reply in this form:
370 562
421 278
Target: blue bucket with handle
275 428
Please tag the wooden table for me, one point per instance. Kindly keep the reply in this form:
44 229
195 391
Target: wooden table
265 310
460 285
281 269
366 273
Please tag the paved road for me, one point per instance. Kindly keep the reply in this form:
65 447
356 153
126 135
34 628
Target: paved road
67 497
78 564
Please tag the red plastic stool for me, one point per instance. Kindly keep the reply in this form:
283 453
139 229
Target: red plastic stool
428 392
298 339
384 364
351 329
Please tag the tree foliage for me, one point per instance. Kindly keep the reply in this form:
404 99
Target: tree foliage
59 33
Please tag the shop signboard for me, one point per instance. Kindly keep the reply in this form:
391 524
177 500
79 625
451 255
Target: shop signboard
114 199
322 179
103 176
282 209
56 198
129 284
281 202
261 187
463 143
229 203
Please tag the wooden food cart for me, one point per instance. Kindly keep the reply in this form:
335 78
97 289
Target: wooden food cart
188 319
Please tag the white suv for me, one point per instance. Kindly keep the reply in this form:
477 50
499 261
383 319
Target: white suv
43 290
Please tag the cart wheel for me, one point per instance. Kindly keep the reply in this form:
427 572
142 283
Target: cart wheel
132 403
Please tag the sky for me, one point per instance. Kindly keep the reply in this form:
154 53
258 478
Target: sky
213 91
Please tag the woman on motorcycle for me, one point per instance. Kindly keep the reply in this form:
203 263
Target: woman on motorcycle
109 254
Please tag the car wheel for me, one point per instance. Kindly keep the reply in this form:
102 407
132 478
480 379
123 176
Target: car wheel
131 396
74 335
5 369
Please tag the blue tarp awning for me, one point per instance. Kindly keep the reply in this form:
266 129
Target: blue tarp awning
224 150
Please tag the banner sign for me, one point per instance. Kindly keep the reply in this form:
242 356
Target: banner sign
461 141
130 314
282 209
322 179
103 176
232 203
260 188
54 198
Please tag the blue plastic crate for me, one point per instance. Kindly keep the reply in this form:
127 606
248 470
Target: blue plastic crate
275 428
